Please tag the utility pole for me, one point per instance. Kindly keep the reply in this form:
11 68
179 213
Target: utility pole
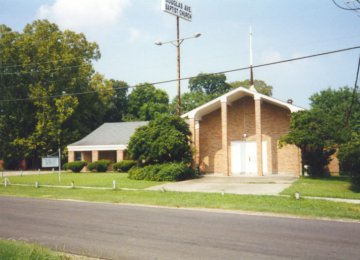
183 11
178 64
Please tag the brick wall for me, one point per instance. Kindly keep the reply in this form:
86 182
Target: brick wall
241 120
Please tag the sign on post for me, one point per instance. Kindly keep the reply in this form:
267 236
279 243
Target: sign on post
49 162
177 8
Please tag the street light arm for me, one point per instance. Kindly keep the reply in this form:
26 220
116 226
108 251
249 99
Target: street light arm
175 42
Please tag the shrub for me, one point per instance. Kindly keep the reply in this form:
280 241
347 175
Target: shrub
124 166
99 166
76 166
163 172
165 139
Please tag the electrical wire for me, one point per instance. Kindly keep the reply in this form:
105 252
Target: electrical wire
42 71
266 64
346 8
36 63
188 78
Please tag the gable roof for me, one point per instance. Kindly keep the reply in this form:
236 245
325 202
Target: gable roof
108 135
233 96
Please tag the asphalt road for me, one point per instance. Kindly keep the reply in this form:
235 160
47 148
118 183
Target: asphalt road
113 231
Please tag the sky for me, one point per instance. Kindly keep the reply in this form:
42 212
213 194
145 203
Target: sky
127 29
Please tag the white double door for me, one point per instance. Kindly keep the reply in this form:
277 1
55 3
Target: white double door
244 158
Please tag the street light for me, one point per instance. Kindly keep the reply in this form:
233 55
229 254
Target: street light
177 44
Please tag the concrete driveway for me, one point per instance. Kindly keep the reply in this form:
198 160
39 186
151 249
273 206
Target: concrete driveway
267 185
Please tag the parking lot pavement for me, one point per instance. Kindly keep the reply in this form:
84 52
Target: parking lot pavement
267 185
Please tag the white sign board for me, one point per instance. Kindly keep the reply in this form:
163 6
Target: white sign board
177 8
49 162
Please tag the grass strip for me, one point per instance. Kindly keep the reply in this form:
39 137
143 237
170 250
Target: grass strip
23 251
332 187
271 204
82 179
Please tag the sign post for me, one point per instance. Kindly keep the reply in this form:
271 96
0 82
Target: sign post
52 161
182 11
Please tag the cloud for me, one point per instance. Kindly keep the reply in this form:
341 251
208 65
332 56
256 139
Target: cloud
270 56
134 34
84 15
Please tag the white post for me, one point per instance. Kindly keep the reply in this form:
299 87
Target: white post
36 184
114 184
6 182
59 165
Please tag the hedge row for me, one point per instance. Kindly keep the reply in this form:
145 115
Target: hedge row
163 172
76 166
156 172
99 166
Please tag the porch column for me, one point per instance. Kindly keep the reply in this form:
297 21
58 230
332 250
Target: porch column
224 135
94 156
119 155
71 156
259 156
197 142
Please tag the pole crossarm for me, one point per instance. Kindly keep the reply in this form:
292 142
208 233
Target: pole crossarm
175 42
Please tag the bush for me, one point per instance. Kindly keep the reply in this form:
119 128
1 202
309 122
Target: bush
165 139
76 166
163 172
99 166
124 166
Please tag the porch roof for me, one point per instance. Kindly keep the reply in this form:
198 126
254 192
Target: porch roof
108 135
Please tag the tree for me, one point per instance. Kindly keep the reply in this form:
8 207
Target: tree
210 84
164 139
117 110
40 70
337 104
332 123
189 101
145 101
349 156
259 85
312 131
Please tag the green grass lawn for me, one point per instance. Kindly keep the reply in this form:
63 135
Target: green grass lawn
83 179
274 204
24 251
333 187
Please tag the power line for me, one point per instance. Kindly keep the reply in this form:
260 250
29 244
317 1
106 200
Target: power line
266 64
348 8
42 71
36 63
188 78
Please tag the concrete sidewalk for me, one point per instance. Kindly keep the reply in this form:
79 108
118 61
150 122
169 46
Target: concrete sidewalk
267 185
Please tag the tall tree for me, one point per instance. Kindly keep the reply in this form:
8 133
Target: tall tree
210 84
189 101
40 70
145 101
259 85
